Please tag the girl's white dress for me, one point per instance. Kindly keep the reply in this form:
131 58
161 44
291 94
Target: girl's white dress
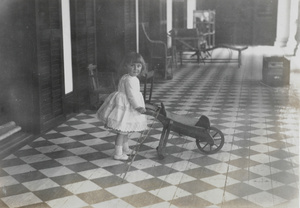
118 110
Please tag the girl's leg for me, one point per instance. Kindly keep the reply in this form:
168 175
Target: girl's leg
119 148
126 149
125 144
119 139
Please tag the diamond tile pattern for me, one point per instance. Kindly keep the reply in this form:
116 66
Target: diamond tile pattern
72 165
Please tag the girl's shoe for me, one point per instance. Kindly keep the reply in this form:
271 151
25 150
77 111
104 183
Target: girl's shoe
121 157
129 152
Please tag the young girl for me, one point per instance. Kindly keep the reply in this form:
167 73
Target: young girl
122 111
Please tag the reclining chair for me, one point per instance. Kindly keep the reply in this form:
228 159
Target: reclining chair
161 59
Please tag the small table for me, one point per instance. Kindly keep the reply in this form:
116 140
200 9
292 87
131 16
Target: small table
238 60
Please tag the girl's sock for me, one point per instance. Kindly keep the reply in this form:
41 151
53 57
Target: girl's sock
127 150
118 150
119 153
126 147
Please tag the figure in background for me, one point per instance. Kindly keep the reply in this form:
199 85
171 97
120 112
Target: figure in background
123 110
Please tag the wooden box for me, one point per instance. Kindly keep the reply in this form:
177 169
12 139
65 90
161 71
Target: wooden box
276 71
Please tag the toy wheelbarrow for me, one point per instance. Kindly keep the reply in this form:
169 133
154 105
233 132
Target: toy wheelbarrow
209 139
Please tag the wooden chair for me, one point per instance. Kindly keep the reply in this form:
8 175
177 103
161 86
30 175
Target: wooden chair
145 79
187 40
104 83
160 57
101 85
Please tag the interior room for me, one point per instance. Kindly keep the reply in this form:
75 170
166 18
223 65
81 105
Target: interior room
221 91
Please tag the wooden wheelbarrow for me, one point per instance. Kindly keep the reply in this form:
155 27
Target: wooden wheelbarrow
209 139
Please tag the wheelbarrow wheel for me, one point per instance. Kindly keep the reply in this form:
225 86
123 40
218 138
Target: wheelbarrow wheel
207 148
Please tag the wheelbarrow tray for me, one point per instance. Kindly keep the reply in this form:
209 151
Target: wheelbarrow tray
185 125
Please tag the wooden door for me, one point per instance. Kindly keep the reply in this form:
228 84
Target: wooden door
50 76
130 26
158 20
264 22
83 33
179 13
243 22
116 32
234 22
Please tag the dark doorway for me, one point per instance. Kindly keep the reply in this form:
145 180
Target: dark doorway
243 22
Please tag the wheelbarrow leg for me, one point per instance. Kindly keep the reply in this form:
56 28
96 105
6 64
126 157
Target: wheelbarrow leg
163 140
239 58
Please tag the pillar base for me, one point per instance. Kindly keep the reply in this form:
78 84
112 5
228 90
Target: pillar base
280 43
288 51
297 49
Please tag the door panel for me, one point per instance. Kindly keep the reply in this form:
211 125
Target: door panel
50 62
264 22
250 22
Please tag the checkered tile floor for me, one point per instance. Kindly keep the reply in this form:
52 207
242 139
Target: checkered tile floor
72 165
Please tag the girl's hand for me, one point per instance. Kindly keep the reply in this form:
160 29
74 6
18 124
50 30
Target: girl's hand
141 110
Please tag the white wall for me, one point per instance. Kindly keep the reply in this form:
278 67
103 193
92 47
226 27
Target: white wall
191 6
65 7
169 20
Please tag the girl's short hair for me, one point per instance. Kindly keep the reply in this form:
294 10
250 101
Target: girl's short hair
134 57
130 58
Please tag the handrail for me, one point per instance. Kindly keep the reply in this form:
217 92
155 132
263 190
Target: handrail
149 39
155 54
154 41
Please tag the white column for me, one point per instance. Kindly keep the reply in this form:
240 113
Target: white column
137 25
298 28
169 20
283 23
67 46
191 6
291 44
